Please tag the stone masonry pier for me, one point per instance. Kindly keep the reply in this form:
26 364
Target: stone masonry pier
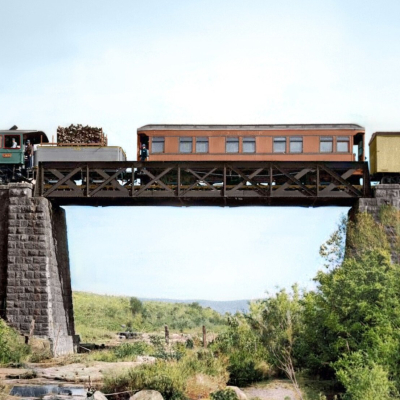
35 283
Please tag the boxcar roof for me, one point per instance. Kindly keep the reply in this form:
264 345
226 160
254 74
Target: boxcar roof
389 133
249 127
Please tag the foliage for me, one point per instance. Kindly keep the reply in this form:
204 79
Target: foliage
12 347
364 235
99 317
390 218
136 305
168 377
224 394
244 352
363 380
131 349
160 350
279 323
333 250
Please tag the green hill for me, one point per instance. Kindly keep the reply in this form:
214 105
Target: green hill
100 317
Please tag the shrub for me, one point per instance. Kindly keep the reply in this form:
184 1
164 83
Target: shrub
364 382
128 350
224 394
12 347
171 378
243 371
164 377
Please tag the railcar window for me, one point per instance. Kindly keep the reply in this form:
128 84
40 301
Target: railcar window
280 145
296 144
342 144
1 142
157 145
201 145
232 145
326 144
12 142
185 144
249 145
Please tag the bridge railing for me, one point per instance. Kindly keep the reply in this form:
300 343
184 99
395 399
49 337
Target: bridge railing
210 182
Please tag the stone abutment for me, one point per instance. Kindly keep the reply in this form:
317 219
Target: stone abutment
35 283
384 195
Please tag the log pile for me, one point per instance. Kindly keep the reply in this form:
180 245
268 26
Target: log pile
79 134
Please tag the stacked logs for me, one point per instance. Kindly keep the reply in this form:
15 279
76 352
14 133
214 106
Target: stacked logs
79 134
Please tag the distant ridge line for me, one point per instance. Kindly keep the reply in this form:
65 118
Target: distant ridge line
221 306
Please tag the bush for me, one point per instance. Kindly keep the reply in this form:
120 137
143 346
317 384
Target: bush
243 371
131 350
363 381
12 346
224 394
171 378
243 350
164 377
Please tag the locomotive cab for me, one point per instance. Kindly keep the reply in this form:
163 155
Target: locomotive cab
12 152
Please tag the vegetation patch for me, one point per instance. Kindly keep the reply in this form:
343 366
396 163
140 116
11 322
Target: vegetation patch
12 347
98 318
173 379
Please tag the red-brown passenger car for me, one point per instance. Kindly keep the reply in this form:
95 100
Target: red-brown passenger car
293 142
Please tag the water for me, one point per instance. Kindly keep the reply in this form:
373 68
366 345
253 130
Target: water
39 391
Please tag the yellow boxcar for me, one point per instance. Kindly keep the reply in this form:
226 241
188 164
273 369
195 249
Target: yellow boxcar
384 153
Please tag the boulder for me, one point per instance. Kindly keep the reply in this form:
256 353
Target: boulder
239 393
99 396
147 395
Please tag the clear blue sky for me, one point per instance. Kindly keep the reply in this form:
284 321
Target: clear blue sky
124 63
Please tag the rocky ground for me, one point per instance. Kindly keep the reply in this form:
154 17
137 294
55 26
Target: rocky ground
84 375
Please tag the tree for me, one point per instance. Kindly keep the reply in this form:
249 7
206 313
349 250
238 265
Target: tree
136 306
279 324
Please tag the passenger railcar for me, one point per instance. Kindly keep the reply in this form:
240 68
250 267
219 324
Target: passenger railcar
299 143
304 142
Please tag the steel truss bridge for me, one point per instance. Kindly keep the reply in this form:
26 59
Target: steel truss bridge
206 183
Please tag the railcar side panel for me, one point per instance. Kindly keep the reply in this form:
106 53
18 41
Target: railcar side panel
328 142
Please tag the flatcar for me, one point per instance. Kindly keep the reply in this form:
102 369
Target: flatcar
12 149
384 151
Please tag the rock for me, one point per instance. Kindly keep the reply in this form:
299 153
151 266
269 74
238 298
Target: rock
240 394
145 359
147 395
99 396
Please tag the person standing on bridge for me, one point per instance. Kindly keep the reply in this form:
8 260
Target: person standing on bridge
28 154
144 153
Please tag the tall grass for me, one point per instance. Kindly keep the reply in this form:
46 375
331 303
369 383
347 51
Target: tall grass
173 379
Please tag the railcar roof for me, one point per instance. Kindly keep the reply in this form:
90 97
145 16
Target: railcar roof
32 133
249 127
388 133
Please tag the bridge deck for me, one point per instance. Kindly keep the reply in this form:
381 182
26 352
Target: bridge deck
203 183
